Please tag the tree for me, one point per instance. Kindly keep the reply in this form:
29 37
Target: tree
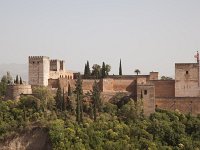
96 71
9 77
120 68
108 68
69 90
87 70
95 99
46 97
166 78
103 70
5 80
64 102
79 99
137 71
21 82
3 85
17 79
59 98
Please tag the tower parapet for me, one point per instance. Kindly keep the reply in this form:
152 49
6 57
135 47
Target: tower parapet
39 70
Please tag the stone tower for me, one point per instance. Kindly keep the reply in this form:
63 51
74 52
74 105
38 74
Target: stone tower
39 70
187 80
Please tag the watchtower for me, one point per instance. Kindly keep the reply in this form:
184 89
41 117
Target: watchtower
39 70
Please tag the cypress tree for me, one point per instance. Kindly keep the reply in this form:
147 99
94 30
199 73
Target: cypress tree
59 98
95 99
103 71
21 82
79 96
85 71
64 103
17 79
88 69
120 68
69 90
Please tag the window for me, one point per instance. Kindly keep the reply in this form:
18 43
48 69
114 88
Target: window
145 92
187 72
33 62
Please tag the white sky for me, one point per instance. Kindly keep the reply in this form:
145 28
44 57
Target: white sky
150 35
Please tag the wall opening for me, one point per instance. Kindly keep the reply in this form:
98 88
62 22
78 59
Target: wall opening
187 72
145 92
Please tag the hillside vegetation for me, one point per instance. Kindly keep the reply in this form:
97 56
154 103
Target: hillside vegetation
80 121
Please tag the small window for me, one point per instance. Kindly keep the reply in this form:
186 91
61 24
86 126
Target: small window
145 92
187 72
38 62
33 62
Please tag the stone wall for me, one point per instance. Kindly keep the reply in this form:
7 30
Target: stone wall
14 91
164 88
122 85
183 104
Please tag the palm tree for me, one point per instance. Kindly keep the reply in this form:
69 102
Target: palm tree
137 71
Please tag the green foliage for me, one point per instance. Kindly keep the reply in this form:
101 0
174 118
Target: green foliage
115 128
96 100
79 100
58 98
87 72
5 80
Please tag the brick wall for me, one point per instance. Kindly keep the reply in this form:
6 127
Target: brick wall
164 88
183 104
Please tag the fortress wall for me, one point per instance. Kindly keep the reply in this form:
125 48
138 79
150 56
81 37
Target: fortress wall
122 85
164 88
14 91
88 85
183 104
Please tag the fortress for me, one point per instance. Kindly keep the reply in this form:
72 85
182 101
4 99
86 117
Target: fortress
182 93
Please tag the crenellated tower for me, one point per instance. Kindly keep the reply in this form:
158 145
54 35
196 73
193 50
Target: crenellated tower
39 67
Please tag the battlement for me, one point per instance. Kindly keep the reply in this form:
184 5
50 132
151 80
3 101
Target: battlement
54 60
38 57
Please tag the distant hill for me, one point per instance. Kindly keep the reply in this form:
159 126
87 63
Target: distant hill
15 69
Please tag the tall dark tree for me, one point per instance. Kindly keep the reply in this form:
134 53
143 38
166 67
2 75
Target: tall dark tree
17 79
59 98
96 99
103 70
120 68
20 81
79 98
85 71
63 100
69 90
88 69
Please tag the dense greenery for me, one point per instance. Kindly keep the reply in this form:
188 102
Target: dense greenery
97 71
113 125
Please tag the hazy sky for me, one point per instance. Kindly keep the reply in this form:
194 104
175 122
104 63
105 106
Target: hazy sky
147 34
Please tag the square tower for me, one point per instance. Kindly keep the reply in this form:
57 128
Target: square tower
187 80
39 67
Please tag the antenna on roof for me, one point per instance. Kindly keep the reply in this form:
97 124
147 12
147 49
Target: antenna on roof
197 56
